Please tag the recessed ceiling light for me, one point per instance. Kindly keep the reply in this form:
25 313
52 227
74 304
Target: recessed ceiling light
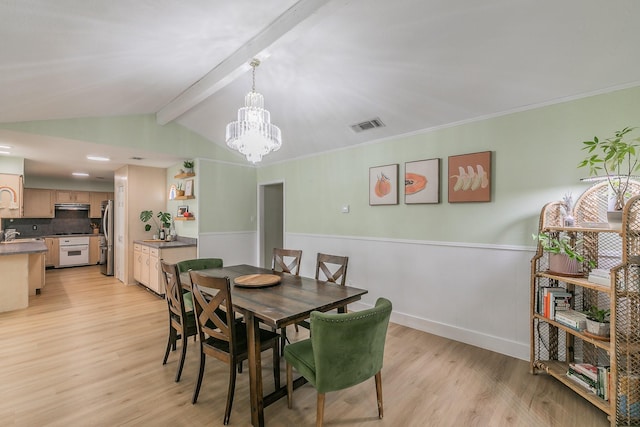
80 174
5 147
98 158
5 152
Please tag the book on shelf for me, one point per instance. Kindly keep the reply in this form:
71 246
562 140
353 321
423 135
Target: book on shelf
600 276
590 377
555 299
541 300
571 318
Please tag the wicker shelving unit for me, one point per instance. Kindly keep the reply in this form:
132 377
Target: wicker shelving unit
553 345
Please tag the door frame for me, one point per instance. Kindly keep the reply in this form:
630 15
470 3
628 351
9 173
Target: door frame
261 217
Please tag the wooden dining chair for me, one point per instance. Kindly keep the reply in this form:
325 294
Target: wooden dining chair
345 349
332 268
182 323
221 336
286 260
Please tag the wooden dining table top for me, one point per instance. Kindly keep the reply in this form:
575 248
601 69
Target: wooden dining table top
285 303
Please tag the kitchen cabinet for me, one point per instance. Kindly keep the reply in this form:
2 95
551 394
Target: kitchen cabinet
146 265
10 196
94 250
96 198
52 256
38 203
67 196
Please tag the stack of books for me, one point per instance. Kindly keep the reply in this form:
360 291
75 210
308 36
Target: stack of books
600 276
552 300
592 378
571 318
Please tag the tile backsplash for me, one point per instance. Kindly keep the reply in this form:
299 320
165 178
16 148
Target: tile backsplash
64 222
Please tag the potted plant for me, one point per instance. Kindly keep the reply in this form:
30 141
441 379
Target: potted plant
598 321
563 257
618 157
179 190
163 217
188 166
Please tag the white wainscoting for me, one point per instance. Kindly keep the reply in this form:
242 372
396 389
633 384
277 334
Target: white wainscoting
477 294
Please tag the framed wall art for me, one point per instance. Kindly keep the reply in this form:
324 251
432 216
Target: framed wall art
383 185
469 177
422 181
188 187
182 210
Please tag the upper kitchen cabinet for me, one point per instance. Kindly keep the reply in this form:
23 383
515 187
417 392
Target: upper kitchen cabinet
67 196
10 196
38 203
96 198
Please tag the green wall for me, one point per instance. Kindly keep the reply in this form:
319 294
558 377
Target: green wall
535 154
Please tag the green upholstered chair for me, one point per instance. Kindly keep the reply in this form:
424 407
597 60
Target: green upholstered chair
196 264
221 336
345 349
182 323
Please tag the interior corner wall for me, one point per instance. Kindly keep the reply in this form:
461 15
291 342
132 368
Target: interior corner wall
460 270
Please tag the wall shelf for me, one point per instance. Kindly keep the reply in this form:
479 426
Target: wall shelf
182 218
184 175
184 197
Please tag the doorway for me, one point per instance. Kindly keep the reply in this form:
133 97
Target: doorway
270 220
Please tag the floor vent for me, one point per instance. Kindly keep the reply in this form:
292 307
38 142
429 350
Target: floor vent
369 124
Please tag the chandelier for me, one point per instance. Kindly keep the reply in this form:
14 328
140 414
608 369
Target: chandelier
253 134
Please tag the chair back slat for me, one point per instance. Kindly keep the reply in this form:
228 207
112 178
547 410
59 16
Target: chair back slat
326 263
173 290
286 260
214 312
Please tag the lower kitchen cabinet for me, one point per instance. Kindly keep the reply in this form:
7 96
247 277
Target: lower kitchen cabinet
52 256
146 263
94 250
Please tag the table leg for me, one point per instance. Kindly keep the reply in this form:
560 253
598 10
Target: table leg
255 370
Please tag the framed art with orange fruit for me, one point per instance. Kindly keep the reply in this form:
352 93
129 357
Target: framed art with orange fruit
383 185
422 181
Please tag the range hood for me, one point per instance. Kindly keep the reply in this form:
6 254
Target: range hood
72 206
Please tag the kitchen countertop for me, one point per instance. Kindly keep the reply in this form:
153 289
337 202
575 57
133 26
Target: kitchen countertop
165 245
23 247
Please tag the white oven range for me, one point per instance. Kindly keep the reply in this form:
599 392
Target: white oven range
74 251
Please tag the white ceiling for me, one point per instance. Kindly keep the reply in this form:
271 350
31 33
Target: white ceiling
326 64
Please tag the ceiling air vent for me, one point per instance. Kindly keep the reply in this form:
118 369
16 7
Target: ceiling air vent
369 124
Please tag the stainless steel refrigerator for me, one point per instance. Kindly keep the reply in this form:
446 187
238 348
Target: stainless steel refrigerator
107 241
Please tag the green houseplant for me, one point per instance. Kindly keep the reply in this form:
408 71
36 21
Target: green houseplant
163 217
563 256
598 321
617 156
188 166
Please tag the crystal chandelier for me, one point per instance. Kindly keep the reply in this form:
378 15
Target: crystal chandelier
253 134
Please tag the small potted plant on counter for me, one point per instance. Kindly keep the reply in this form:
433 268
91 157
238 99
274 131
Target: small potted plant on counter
95 227
164 217
563 257
598 321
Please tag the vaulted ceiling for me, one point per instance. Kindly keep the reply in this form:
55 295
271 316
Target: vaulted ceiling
326 64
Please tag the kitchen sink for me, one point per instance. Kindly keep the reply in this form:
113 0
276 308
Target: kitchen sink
21 240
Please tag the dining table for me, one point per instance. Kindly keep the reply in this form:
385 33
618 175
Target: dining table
276 304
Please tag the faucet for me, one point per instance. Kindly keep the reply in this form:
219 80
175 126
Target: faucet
11 235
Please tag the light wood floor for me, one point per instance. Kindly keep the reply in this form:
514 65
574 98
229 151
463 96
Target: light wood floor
88 352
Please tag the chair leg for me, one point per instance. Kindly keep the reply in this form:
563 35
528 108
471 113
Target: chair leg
289 386
183 355
283 339
276 365
379 393
295 326
320 413
232 387
196 391
169 341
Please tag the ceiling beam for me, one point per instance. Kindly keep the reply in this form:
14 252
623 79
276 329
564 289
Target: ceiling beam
289 23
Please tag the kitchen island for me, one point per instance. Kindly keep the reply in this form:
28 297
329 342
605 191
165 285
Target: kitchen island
22 272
